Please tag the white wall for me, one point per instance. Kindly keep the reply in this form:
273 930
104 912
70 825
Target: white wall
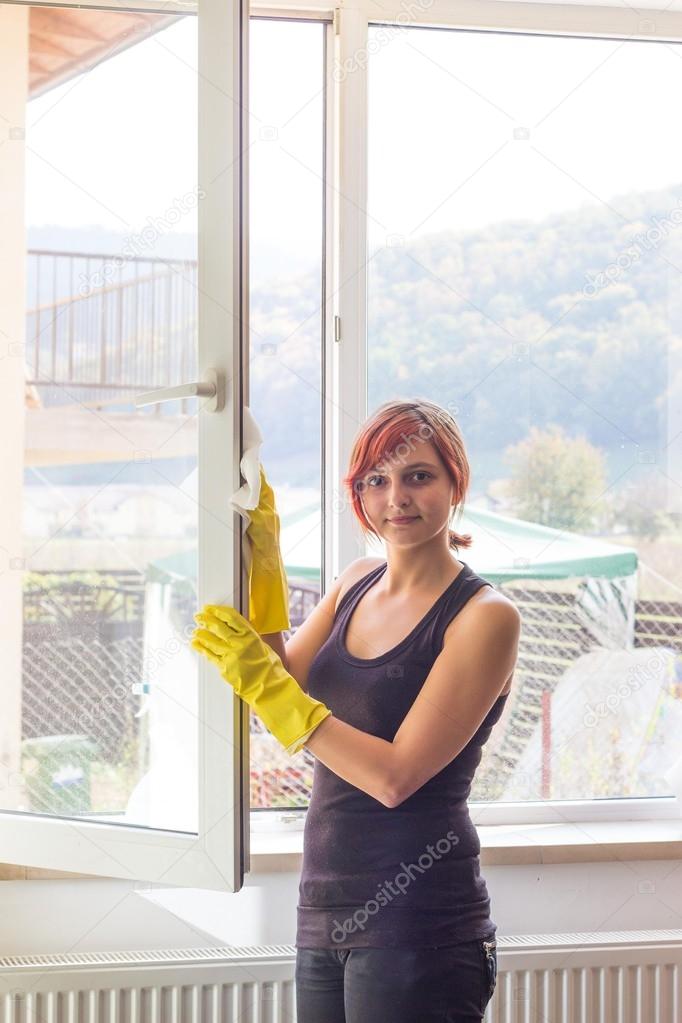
13 89
98 916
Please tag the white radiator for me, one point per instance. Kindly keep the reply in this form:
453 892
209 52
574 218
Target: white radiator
616 977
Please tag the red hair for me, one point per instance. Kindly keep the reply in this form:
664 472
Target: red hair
395 424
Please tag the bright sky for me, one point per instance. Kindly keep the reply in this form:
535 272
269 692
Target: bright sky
118 145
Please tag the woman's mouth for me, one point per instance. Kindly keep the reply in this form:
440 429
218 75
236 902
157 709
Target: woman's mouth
403 520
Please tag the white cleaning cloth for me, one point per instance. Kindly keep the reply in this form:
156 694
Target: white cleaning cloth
246 498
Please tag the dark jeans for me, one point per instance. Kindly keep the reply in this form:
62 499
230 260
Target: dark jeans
424 985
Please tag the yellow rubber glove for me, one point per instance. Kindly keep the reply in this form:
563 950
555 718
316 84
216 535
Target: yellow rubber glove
257 675
268 587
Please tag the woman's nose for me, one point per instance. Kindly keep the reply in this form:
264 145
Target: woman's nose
398 496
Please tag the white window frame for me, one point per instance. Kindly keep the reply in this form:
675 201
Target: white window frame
617 21
346 385
218 857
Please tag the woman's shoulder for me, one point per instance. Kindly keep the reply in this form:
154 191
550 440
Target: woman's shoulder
486 600
485 608
356 571
485 604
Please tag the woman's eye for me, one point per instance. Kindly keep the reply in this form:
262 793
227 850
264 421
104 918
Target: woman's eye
418 473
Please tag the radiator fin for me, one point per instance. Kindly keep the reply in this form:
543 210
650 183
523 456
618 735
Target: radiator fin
595 977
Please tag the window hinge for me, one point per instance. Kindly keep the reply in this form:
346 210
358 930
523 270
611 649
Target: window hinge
337 19
337 329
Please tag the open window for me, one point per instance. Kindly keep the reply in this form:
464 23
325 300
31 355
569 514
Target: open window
124 331
513 265
525 251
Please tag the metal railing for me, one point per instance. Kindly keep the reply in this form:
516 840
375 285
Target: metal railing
101 327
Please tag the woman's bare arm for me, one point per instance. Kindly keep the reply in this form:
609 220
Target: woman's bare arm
361 759
275 640
464 682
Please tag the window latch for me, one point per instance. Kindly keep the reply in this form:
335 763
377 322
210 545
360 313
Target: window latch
211 387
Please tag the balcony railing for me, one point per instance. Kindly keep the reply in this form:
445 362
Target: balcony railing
102 327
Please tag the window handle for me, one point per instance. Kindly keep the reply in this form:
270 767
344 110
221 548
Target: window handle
211 387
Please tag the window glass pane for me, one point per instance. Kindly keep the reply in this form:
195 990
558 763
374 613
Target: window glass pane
100 519
525 250
286 244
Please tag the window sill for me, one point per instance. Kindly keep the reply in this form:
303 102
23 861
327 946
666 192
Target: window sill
514 845
281 850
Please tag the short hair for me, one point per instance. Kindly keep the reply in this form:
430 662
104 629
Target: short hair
391 426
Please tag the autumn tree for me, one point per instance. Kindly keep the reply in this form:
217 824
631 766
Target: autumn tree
556 480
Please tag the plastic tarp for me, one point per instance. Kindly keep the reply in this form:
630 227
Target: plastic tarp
613 729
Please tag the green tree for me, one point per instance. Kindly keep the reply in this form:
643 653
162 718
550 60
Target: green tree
642 508
556 480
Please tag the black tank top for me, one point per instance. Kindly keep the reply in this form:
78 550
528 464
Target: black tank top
407 877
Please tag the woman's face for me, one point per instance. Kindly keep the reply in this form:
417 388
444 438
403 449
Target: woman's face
415 485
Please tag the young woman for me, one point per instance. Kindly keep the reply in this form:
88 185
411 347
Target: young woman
394 683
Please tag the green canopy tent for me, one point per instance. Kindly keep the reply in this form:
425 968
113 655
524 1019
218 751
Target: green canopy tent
300 535
503 549
506 548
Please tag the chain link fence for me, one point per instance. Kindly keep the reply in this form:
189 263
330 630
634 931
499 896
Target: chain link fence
83 652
